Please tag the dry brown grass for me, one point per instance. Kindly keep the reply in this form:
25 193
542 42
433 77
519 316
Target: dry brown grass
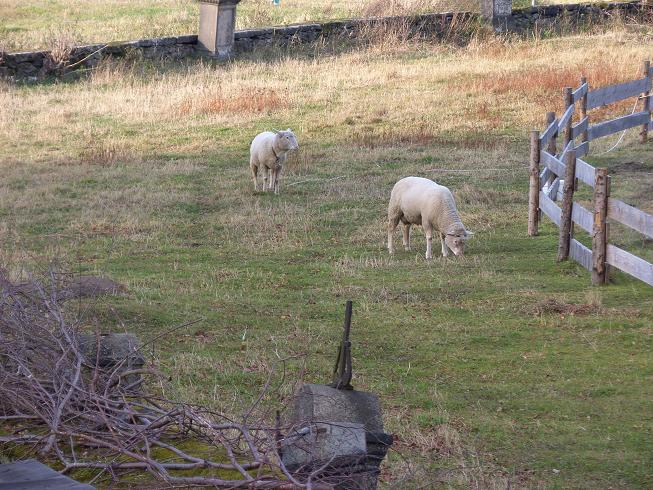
60 44
544 84
105 152
254 100
435 97
443 440
473 195
382 8
369 137
556 306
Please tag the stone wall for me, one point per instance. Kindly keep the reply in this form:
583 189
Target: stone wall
424 24
549 15
39 64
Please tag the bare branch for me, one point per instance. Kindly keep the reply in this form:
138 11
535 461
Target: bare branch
62 403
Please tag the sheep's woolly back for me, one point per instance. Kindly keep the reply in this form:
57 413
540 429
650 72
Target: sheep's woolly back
263 149
270 148
419 200
450 220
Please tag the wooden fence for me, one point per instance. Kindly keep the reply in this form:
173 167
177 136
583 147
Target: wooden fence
562 170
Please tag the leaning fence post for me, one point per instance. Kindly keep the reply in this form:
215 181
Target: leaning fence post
551 145
569 101
643 134
534 185
567 205
583 109
599 229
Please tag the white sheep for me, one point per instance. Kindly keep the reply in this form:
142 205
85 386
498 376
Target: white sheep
268 152
419 201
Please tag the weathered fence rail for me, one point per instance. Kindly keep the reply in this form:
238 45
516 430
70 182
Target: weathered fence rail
555 176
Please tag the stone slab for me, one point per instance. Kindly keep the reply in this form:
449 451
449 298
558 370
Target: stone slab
114 348
317 444
32 475
321 403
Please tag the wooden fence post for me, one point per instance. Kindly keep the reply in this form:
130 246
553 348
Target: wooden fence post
643 135
599 229
569 101
583 109
534 185
551 146
567 204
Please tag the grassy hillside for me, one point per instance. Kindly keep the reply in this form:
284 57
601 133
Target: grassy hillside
500 367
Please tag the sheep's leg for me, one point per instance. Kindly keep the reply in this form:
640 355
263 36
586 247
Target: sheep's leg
254 170
277 179
429 242
445 249
406 237
393 221
266 173
271 182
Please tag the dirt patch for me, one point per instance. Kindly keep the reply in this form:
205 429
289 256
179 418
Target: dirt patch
553 306
628 167
91 287
70 287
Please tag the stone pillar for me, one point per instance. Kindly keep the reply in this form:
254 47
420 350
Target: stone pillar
496 12
217 24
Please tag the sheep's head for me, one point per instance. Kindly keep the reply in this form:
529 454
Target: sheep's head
455 240
287 140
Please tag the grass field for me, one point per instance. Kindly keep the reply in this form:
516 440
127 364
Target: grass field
29 24
500 368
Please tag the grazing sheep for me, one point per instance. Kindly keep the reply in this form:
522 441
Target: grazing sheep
268 152
418 201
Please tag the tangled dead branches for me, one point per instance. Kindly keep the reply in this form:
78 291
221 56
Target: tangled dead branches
58 402
56 61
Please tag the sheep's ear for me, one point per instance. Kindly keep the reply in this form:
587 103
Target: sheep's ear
289 130
469 234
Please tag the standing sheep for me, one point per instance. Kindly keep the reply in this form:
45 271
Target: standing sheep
268 152
419 201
